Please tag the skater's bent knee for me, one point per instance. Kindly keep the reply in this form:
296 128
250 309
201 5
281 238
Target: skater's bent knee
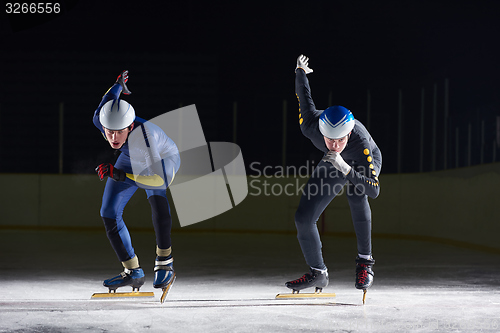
306 214
109 212
299 218
110 225
303 220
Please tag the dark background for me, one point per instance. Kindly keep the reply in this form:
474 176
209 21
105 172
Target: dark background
214 54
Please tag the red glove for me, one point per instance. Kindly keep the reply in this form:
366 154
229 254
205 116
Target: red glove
107 169
122 79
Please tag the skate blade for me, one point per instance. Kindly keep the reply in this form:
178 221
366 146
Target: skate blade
132 294
306 295
364 295
166 290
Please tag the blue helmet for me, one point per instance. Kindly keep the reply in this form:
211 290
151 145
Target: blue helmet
336 122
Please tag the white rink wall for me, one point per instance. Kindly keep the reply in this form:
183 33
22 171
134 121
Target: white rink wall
456 206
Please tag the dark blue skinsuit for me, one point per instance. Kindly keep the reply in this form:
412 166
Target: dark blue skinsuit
361 153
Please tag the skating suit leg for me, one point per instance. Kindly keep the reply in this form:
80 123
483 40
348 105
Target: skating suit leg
115 198
325 183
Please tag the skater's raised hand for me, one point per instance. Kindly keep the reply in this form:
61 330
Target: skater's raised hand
122 80
303 62
338 162
108 170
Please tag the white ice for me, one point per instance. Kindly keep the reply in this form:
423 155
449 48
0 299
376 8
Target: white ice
227 282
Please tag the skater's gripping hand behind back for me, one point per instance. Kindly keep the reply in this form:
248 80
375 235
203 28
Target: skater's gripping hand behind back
303 62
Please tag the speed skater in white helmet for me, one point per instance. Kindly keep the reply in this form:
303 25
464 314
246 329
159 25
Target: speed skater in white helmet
149 160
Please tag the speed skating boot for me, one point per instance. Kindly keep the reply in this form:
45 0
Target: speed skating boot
164 275
364 273
315 278
129 277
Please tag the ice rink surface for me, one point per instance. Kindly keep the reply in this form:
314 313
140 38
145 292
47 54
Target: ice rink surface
227 282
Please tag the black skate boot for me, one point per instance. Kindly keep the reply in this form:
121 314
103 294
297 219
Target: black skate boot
364 273
315 278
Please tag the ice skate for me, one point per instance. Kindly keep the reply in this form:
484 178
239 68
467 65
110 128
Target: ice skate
364 274
316 278
164 275
129 277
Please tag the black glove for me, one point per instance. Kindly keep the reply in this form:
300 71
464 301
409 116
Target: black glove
122 80
107 169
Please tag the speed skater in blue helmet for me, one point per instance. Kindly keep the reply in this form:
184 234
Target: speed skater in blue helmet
351 163
336 124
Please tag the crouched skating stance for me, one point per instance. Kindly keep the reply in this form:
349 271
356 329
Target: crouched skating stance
352 158
149 159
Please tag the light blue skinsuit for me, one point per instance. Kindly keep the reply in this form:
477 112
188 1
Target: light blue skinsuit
117 194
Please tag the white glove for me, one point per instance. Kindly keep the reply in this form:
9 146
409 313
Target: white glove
303 62
338 162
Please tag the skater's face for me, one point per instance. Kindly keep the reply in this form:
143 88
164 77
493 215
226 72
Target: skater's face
337 145
116 139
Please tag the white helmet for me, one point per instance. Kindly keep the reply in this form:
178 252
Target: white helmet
116 114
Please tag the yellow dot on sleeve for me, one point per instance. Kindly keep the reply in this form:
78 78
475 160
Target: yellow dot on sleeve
371 166
366 151
369 158
300 115
301 121
373 172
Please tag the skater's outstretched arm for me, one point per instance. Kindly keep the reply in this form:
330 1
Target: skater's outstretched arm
112 93
308 115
